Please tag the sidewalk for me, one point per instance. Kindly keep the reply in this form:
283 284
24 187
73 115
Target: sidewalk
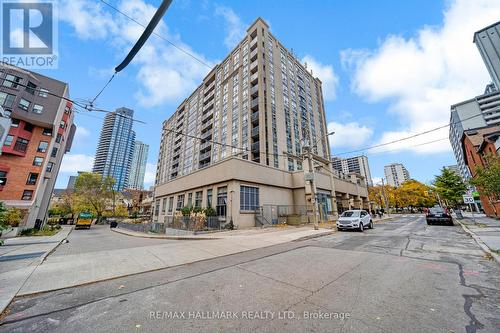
19 257
79 269
485 231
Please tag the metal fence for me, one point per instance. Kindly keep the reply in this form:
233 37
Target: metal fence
194 224
288 214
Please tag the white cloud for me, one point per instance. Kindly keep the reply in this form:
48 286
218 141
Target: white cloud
81 134
164 73
235 28
72 163
423 75
326 74
149 175
348 135
377 180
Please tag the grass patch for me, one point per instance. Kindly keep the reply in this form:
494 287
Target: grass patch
45 231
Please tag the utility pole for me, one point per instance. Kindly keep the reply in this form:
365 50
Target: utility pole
313 186
385 197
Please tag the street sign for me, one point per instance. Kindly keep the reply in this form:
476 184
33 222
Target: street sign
468 199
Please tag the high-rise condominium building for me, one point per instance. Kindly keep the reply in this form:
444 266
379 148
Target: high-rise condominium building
478 112
454 168
138 168
396 174
227 144
41 132
356 164
481 111
488 42
116 147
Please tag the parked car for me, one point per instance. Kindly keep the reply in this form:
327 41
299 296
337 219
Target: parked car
355 219
438 214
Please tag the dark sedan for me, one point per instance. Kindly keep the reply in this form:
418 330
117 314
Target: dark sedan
436 215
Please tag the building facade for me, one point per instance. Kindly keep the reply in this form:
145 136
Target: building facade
477 145
138 167
487 41
454 168
233 144
396 174
41 132
478 112
116 147
356 164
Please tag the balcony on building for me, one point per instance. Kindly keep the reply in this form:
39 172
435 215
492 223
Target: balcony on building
205 146
255 132
253 43
254 91
254 78
208 106
207 115
254 54
205 156
256 146
206 135
254 66
255 117
206 126
254 104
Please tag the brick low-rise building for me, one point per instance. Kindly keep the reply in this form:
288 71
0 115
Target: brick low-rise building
477 145
41 132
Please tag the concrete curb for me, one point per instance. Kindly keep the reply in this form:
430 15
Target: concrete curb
46 254
136 234
479 242
326 233
42 259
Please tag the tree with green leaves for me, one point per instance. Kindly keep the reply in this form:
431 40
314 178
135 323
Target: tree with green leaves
3 221
13 216
487 178
94 191
450 187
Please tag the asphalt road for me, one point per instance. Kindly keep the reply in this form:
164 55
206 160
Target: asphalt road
401 276
101 238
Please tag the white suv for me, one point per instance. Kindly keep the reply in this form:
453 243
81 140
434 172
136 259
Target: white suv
355 219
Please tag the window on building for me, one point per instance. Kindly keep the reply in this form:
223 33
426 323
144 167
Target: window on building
24 104
180 202
47 131
42 146
54 152
7 100
190 200
28 127
15 123
11 81
67 110
198 197
209 197
31 87
21 145
249 198
170 204
62 124
32 178
43 92
58 138
38 161
221 201
27 195
37 108
50 166
164 206
8 140
3 178
157 208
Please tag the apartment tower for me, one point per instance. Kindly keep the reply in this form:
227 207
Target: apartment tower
396 174
116 147
355 164
138 168
232 144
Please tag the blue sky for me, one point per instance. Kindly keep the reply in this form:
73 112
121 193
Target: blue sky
389 68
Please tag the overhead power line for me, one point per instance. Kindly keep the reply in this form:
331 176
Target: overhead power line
406 138
158 35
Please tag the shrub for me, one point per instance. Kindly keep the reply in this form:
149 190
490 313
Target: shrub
209 211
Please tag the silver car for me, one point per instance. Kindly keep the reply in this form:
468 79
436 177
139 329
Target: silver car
355 219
